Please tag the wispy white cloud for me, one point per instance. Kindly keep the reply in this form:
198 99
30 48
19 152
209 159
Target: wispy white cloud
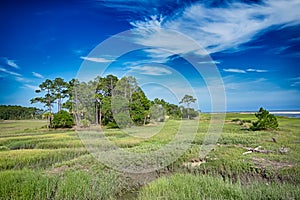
37 75
99 60
256 70
297 83
6 62
295 54
12 63
294 81
32 87
295 78
210 62
279 50
9 72
147 7
236 83
23 80
242 71
151 70
218 29
235 70
161 41
297 39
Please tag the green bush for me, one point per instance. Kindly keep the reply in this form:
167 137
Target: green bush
112 125
62 120
85 123
265 121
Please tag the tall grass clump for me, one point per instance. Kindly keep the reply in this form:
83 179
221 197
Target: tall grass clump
28 184
36 158
86 185
188 186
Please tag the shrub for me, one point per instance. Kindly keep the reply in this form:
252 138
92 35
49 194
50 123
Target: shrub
112 125
62 120
3 148
85 123
265 121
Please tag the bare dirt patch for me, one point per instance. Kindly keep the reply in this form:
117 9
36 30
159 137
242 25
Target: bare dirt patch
195 162
58 170
264 163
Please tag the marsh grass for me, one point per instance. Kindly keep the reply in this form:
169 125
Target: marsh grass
188 186
54 164
45 140
36 158
28 184
18 126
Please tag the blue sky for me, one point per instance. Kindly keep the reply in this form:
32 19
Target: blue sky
254 45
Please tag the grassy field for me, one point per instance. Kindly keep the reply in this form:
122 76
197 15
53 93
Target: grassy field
37 163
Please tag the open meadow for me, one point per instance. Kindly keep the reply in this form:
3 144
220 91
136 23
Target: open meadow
37 163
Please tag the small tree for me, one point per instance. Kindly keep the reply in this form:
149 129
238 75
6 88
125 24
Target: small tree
48 99
157 113
85 123
188 99
59 91
265 121
48 116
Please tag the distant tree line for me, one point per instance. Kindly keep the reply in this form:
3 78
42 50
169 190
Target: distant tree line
108 101
10 112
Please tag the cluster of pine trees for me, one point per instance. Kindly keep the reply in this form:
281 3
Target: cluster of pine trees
10 112
108 101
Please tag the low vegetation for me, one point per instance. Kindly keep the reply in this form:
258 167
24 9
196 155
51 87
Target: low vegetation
41 163
265 120
189 186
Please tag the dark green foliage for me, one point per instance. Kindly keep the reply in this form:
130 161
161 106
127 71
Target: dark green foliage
112 102
157 113
60 91
111 125
62 120
108 100
171 110
18 112
70 94
189 113
138 106
85 123
265 121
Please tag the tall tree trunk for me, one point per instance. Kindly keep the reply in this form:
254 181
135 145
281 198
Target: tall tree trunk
49 105
59 104
188 110
100 120
96 113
